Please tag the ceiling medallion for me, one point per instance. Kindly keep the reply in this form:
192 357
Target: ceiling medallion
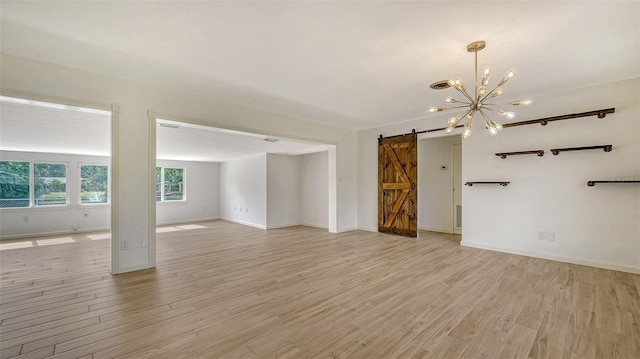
480 101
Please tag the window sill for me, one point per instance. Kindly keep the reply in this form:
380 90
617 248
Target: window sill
94 205
38 208
184 201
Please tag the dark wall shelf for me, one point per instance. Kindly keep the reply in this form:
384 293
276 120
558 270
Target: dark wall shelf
592 183
502 183
504 155
606 148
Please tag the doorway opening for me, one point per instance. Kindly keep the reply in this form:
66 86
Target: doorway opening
440 184
55 172
202 172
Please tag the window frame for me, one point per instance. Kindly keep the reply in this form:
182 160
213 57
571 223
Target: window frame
79 184
162 185
32 182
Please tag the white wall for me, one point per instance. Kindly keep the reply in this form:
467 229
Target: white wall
202 193
134 173
597 226
286 190
435 185
283 191
243 191
21 222
314 189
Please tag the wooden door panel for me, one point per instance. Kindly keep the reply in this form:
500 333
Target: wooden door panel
397 190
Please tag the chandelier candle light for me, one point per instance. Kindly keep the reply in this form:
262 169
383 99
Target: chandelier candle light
479 102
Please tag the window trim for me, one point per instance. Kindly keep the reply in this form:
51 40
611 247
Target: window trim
30 205
32 181
162 185
79 184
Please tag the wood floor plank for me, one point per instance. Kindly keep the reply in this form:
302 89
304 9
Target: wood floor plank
223 290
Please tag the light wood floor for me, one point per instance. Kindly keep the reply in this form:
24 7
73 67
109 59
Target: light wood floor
223 290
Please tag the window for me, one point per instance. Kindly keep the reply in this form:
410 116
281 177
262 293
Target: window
94 184
50 184
158 184
14 184
173 184
169 184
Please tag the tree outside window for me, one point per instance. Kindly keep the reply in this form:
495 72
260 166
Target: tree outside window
14 184
50 184
158 184
173 184
94 184
169 184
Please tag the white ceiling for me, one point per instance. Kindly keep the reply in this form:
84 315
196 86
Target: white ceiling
201 143
34 126
350 64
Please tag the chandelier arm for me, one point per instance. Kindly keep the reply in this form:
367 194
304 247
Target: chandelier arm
489 108
451 108
466 95
483 114
489 94
453 125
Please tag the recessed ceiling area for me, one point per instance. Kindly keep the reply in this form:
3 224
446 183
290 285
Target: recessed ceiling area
190 142
37 126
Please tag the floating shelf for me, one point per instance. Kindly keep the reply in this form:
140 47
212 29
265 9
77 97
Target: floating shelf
606 148
504 155
592 183
502 183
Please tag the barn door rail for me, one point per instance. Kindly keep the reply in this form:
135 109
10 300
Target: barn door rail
413 132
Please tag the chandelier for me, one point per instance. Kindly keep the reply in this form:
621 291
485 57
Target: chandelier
480 102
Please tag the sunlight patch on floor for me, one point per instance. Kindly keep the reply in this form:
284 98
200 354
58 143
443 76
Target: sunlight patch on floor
15 245
95 237
48 242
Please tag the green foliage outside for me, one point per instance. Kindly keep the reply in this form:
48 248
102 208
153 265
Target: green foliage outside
94 184
49 182
173 184
173 180
14 184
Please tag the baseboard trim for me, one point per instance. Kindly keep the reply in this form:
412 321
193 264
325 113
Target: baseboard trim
244 223
323 226
187 221
134 268
579 261
283 225
55 233
368 229
439 230
348 229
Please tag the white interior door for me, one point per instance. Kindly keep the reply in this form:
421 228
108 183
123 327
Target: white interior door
457 188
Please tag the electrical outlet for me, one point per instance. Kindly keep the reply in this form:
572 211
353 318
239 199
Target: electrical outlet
124 245
25 219
547 236
144 242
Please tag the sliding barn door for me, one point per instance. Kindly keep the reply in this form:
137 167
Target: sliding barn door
397 185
